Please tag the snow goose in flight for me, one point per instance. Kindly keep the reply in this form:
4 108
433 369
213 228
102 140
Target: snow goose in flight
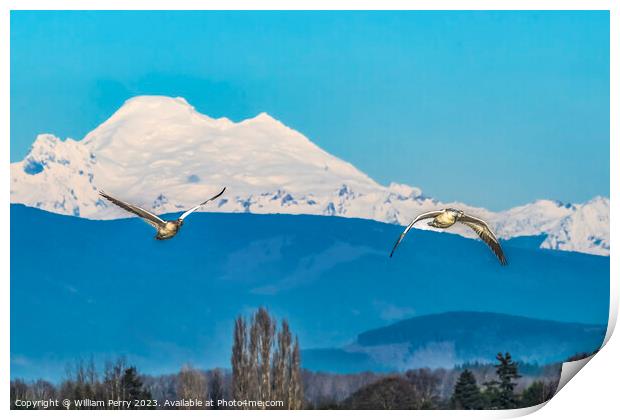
447 217
166 229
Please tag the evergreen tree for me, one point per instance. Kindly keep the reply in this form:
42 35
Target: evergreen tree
507 372
133 388
467 395
537 393
490 396
216 388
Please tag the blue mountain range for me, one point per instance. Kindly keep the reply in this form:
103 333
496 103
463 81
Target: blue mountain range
455 338
90 288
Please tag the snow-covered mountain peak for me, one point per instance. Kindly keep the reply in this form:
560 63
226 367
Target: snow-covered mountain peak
598 201
160 153
262 118
150 108
48 150
585 230
48 147
154 146
146 104
143 119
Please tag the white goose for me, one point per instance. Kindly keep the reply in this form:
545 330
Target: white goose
166 229
447 217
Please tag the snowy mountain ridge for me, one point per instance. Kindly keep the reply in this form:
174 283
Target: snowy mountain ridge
160 153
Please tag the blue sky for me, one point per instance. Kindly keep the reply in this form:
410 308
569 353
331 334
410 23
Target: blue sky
491 108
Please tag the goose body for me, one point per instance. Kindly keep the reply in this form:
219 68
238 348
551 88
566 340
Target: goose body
166 229
445 218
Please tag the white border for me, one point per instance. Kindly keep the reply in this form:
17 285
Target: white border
312 5
594 394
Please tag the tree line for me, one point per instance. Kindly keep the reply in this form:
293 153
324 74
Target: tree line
266 366
420 389
82 383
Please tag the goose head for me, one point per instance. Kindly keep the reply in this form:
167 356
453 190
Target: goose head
456 213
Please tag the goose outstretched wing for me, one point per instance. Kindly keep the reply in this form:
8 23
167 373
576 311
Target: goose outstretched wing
427 215
147 216
486 234
193 209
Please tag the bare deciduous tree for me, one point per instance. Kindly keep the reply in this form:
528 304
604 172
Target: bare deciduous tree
265 367
296 395
240 361
191 384
113 388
